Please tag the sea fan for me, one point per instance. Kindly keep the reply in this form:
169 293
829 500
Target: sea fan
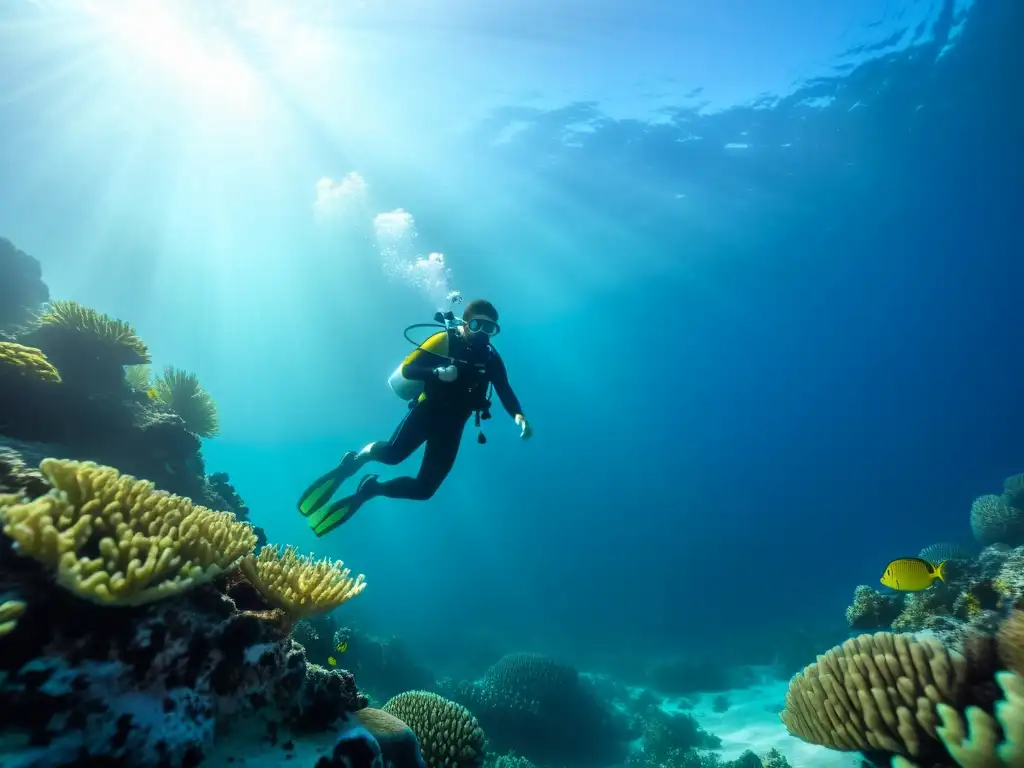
937 553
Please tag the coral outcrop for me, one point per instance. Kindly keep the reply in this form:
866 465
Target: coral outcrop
872 609
537 707
999 518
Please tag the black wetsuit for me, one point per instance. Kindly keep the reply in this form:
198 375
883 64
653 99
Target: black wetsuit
439 419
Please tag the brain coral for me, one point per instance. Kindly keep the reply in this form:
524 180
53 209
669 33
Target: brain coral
448 733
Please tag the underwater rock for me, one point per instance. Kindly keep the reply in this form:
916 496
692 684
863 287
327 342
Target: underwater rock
22 290
356 748
148 685
220 484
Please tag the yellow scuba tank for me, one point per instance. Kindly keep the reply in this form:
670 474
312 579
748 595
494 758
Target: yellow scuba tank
407 389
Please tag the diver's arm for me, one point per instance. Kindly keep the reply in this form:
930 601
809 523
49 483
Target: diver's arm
499 378
419 370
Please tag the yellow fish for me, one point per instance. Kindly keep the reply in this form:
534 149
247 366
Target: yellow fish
912 574
152 394
331 660
342 646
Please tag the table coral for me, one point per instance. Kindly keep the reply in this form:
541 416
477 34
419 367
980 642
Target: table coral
116 540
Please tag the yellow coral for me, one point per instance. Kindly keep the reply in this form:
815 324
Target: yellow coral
971 605
10 612
27 361
116 335
300 585
116 540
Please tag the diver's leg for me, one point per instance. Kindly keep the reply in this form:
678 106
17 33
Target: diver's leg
416 428
438 460
410 434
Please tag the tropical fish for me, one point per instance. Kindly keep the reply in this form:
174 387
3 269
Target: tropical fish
912 574
152 394
332 661
342 646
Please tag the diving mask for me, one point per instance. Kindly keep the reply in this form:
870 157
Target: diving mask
484 326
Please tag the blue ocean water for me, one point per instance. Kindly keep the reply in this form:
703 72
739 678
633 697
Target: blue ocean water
758 266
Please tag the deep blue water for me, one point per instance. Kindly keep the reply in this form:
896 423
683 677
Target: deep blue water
767 344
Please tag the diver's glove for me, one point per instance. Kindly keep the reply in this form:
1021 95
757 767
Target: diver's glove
447 373
525 430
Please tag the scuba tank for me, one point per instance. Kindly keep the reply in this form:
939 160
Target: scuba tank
438 345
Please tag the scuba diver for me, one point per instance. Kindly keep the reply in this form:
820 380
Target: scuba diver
446 379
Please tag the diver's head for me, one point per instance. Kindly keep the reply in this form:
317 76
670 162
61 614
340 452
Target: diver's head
480 321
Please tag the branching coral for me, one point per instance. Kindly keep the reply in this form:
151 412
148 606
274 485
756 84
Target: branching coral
116 540
116 336
26 361
875 692
300 585
182 393
448 733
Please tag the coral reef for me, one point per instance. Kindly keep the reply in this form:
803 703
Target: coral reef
912 700
95 414
22 291
976 594
448 733
147 685
536 706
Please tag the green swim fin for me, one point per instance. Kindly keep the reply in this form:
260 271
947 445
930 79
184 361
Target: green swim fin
341 511
321 490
